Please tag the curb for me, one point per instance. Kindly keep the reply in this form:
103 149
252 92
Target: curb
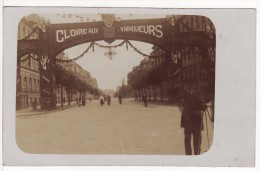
46 112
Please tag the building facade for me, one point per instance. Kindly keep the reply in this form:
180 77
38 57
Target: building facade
28 76
194 57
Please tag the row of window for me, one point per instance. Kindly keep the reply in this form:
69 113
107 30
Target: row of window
31 63
191 59
193 73
195 23
151 64
30 84
24 31
191 55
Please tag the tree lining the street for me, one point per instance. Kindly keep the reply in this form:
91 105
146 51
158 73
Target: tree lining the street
150 74
72 81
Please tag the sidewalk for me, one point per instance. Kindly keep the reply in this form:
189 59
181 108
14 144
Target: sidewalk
29 111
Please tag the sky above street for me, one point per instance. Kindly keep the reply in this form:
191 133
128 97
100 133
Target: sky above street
109 73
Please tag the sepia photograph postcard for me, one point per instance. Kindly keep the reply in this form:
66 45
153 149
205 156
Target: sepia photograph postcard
133 86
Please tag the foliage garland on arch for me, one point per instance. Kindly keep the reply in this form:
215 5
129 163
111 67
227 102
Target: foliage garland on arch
28 57
93 44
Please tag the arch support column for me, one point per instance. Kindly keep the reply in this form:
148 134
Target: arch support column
47 75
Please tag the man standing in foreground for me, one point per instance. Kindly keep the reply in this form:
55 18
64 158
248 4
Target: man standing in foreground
192 121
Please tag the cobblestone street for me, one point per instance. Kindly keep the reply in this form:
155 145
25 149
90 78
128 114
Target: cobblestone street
129 128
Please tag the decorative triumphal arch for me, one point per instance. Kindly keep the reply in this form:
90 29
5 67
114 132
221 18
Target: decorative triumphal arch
55 38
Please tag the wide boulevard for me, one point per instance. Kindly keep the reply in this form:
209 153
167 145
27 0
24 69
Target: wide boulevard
129 128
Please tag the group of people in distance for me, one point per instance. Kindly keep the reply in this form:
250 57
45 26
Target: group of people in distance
81 102
104 99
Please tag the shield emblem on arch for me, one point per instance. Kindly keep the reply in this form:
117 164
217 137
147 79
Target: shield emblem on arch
108 19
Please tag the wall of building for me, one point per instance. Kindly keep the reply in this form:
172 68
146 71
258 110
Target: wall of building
193 56
28 69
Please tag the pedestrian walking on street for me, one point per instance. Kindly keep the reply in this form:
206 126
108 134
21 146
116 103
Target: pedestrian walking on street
105 99
120 99
192 121
83 101
108 100
101 100
79 102
144 98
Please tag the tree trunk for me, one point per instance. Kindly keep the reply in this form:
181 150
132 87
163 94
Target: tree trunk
149 93
161 91
61 96
154 92
69 98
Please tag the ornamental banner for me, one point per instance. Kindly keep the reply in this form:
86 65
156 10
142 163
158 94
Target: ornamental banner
149 30
64 36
